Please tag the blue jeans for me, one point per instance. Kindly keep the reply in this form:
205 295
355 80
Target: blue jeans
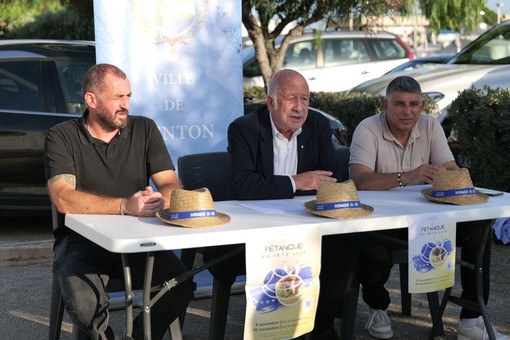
83 270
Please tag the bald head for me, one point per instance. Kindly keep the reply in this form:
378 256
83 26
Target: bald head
283 78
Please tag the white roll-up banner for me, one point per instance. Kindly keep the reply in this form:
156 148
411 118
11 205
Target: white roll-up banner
183 58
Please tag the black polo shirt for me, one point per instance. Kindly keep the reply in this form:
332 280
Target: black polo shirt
115 169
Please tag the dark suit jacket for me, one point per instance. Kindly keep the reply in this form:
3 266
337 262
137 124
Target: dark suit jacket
250 147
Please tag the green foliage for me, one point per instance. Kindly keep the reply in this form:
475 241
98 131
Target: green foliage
350 108
481 119
71 25
54 19
85 7
254 92
17 13
457 15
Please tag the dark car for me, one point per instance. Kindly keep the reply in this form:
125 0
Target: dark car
40 86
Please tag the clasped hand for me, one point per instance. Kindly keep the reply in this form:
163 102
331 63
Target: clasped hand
144 203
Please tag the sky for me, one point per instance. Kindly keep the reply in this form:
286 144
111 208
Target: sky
493 5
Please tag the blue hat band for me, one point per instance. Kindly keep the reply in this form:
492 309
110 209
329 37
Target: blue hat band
337 205
191 214
453 192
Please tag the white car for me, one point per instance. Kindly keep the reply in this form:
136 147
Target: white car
484 62
340 61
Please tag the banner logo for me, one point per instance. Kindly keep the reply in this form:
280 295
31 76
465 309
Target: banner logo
170 23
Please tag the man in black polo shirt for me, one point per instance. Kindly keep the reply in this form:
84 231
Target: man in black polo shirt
101 163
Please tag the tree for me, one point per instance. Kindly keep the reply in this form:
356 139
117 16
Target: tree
51 19
259 15
17 13
457 15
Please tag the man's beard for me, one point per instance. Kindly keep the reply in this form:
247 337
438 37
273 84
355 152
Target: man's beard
109 122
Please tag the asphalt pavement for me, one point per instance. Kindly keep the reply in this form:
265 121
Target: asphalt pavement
25 267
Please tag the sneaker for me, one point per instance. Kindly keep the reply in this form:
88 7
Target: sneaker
477 332
379 324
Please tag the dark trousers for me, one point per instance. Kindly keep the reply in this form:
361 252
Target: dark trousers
83 270
339 254
375 265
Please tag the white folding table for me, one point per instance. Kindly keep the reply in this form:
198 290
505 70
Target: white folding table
392 209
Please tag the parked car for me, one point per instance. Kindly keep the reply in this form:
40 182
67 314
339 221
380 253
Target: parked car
442 58
336 62
40 86
484 62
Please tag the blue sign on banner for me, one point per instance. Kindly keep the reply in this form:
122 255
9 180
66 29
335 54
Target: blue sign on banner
183 59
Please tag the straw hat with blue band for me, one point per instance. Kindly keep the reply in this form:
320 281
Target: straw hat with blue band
192 209
338 200
454 187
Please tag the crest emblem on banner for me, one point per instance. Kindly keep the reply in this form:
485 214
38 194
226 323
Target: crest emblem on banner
170 23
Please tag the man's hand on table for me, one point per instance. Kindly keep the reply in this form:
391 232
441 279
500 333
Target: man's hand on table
310 180
144 203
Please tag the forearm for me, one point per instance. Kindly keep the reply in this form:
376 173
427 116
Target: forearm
78 202
377 181
166 181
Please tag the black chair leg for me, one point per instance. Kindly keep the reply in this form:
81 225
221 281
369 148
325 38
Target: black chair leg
348 322
405 296
219 310
437 324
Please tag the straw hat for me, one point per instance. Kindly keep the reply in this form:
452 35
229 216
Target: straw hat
338 200
454 187
192 209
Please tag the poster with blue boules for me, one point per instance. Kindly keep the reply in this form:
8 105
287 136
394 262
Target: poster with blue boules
282 283
431 254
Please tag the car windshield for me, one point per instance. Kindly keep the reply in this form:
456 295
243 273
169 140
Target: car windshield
491 48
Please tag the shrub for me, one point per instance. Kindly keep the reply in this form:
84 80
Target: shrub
63 24
350 108
481 121
254 93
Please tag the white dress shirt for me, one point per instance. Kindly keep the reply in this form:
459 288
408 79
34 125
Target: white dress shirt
285 153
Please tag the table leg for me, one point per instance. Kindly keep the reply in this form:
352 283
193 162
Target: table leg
128 296
168 285
149 266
